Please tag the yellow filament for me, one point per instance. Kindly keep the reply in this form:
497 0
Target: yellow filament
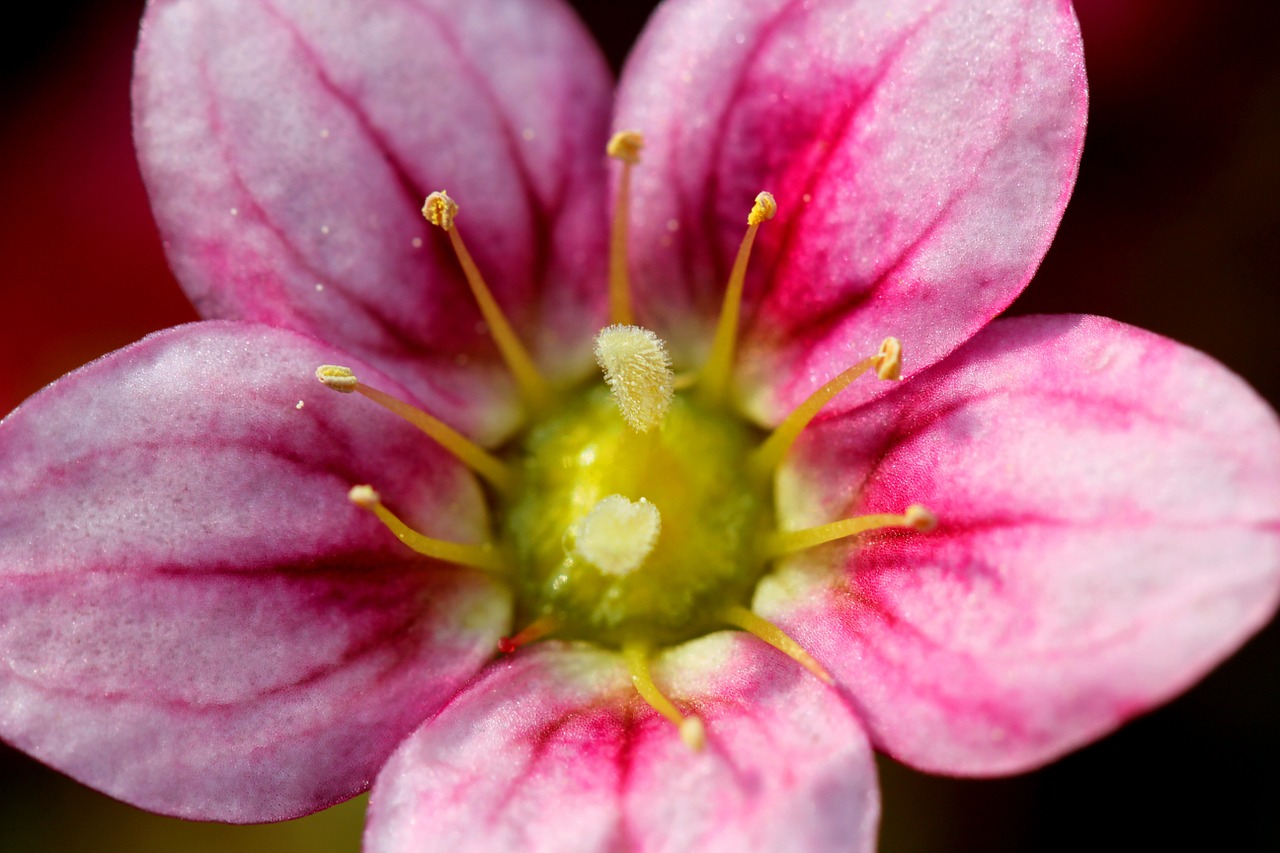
691 729
483 557
466 451
440 210
741 617
766 458
535 630
786 541
624 146
719 366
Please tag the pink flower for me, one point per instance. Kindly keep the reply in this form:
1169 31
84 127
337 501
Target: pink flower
196 619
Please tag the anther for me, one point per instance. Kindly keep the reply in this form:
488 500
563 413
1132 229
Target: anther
616 536
441 211
466 451
637 369
483 557
692 733
887 363
747 620
719 366
338 378
624 146
781 542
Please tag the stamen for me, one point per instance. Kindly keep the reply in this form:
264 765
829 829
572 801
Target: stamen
624 146
616 536
719 366
787 541
535 630
765 459
464 449
691 729
638 369
483 557
440 210
741 617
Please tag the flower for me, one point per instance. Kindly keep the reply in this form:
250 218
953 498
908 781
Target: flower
196 618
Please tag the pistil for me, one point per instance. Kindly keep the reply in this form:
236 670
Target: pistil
441 211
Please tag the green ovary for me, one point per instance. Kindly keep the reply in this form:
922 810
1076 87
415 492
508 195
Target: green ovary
707 555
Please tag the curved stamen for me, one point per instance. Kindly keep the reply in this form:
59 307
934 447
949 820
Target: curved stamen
440 210
624 146
484 557
719 366
765 459
740 617
692 732
787 541
464 449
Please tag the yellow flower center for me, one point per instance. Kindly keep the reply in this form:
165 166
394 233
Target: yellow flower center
637 513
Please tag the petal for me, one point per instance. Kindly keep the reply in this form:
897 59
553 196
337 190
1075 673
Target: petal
921 154
193 617
554 750
288 147
1109 506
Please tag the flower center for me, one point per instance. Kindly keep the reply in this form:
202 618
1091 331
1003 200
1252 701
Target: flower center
638 513
623 536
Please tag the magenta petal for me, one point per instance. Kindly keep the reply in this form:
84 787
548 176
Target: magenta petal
193 616
554 751
288 147
1109 506
921 154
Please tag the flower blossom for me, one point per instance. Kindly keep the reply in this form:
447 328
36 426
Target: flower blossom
818 504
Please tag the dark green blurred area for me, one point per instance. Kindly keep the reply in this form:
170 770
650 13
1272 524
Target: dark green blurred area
1173 227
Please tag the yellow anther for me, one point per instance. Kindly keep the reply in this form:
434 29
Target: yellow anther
637 368
637 657
338 378
616 536
693 733
787 541
625 145
747 620
464 449
889 359
483 557
887 363
440 210
764 209
719 366
920 518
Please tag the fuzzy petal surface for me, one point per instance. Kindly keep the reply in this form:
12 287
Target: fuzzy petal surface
288 146
1109 529
554 750
921 154
193 616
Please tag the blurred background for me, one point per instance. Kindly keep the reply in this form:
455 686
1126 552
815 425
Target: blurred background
1173 227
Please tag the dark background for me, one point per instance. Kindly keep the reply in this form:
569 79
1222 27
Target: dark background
1173 227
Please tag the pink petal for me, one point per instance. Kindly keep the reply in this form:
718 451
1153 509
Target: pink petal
288 147
921 154
1109 506
193 617
553 750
